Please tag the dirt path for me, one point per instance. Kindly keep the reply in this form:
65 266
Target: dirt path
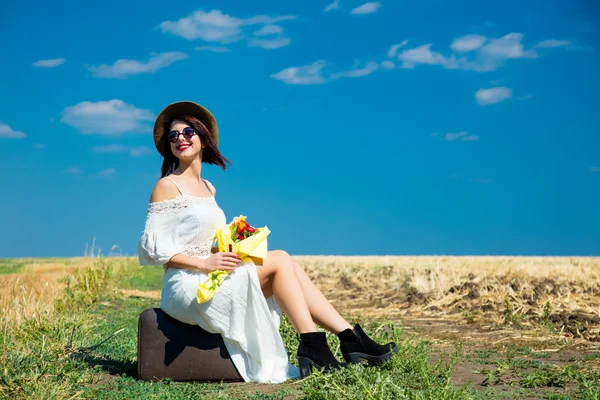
514 353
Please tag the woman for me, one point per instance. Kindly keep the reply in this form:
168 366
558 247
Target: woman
182 220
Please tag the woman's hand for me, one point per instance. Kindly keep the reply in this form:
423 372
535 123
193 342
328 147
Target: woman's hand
221 261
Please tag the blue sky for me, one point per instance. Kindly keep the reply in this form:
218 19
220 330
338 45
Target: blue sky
353 127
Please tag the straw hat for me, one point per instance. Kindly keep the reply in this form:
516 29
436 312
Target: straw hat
181 108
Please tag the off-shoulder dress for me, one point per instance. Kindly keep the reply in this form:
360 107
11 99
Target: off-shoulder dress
248 323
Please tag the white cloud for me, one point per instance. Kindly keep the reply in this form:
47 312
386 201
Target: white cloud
388 64
366 8
118 148
312 74
269 44
276 39
462 136
304 75
269 30
140 151
394 49
493 95
333 6
469 138
475 52
368 69
562 43
497 51
107 173
39 146
454 136
435 134
551 43
468 43
111 117
508 46
6 132
123 68
594 169
579 47
74 171
422 55
55 62
214 26
214 49
111 148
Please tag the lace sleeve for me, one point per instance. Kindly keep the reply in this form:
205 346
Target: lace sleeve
160 239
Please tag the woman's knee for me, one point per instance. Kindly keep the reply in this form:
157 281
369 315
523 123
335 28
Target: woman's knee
277 254
282 259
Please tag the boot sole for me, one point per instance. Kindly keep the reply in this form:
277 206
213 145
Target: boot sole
355 358
306 365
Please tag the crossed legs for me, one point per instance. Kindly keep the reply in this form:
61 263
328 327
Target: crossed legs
298 297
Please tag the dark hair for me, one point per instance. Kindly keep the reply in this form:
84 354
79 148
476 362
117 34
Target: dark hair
210 153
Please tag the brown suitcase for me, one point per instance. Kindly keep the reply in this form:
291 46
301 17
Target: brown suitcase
168 348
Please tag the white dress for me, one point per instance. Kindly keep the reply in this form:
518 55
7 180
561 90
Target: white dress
248 323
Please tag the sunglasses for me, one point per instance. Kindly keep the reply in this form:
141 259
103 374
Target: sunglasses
187 133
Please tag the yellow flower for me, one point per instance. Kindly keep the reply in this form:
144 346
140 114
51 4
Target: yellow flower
207 290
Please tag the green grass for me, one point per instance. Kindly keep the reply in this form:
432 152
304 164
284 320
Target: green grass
8 266
512 366
56 356
142 278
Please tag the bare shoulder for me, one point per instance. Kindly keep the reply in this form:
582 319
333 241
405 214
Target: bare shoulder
163 190
210 185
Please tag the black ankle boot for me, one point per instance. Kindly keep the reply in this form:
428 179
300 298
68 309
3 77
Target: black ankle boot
355 344
314 352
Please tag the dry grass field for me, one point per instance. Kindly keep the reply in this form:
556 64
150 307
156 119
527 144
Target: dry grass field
525 292
519 327
29 287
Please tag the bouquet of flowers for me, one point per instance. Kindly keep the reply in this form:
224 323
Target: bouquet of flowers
238 237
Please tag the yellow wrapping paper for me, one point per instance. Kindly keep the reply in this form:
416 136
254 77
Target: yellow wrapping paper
255 246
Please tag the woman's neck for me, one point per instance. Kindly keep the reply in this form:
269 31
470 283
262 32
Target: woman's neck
190 169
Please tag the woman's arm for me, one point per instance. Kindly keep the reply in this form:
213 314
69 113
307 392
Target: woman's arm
181 260
217 261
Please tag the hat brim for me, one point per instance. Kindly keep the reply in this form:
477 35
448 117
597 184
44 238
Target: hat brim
181 108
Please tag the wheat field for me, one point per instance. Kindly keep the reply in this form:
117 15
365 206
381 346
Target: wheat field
565 290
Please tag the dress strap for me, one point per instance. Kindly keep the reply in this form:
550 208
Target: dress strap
178 188
208 185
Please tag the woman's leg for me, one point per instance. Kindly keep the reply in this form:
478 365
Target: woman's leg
321 311
277 276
